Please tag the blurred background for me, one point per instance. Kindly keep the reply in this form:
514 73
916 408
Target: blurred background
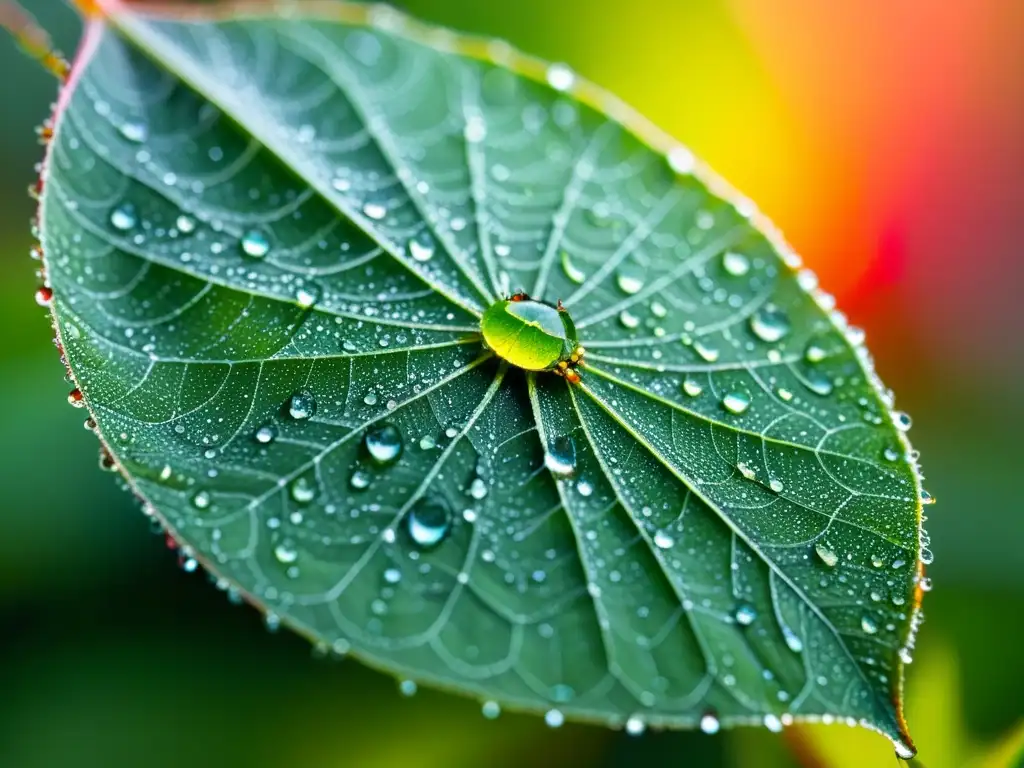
882 136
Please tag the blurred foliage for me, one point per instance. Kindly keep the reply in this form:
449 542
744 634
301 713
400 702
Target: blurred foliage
113 656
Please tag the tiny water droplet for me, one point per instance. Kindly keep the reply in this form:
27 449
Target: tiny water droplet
255 244
124 217
478 488
891 454
554 718
784 394
769 324
776 485
819 383
201 500
422 247
574 273
383 443
736 264
305 298
285 554
814 353
185 224
359 480
560 77
926 498
407 688
901 420
560 457
904 751
828 557
772 723
635 726
584 488
134 131
745 615
794 643
691 387
370 398
709 723
628 319
303 490
629 280
302 405
490 709
44 296
709 354
429 522
736 402
266 434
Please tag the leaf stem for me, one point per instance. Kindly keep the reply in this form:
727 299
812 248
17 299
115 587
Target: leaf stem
33 39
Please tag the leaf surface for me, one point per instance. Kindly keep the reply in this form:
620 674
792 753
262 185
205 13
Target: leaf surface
270 238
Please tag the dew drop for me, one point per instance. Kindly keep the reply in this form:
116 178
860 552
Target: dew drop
709 723
134 131
926 497
429 522
776 485
285 554
490 709
828 557
370 398
819 383
662 540
266 434
407 688
560 77
736 402
255 244
302 405
422 247
635 726
769 324
305 298
554 718
560 457
901 420
628 319
44 296
584 488
784 394
691 388
814 353
359 480
903 751
201 500
736 264
383 443
574 273
891 454
629 281
868 625
709 354
772 723
745 615
374 211
478 488
793 642
124 217
302 490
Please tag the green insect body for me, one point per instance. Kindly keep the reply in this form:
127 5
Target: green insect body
532 335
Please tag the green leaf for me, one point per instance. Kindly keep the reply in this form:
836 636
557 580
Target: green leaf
270 239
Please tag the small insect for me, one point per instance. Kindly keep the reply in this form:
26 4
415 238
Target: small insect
533 335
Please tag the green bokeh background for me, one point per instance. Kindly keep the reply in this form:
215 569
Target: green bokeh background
114 656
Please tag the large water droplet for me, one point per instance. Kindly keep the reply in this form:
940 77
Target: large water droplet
901 420
560 77
186 225
691 387
560 457
773 723
635 725
709 354
554 718
383 443
302 405
124 217
736 402
490 709
255 244
374 211
266 434
663 540
134 131
819 383
769 323
422 247
814 353
429 522
628 319
868 625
